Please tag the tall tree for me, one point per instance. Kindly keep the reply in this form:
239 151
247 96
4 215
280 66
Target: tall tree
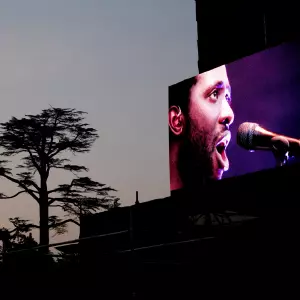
41 141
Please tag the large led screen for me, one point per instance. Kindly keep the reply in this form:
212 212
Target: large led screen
206 113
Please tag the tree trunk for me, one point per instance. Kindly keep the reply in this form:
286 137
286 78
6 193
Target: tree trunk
44 216
44 229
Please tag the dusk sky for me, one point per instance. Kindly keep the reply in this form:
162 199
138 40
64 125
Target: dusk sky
113 59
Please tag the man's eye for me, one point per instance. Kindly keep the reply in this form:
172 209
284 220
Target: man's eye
215 95
228 99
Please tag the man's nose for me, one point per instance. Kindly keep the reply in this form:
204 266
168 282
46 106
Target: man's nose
227 115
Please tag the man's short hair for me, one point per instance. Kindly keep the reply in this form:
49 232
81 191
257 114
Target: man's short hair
179 93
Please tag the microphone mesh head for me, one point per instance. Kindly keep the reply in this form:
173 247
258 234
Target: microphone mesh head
245 135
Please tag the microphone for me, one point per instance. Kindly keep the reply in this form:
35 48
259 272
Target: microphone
251 136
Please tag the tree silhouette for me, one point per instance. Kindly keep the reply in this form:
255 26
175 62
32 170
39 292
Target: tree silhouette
18 252
20 237
41 141
82 197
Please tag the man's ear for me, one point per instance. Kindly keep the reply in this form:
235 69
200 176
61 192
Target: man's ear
176 120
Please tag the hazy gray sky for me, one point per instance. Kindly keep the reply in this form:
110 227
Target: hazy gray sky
111 58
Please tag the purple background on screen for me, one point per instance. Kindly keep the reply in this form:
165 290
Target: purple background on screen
265 90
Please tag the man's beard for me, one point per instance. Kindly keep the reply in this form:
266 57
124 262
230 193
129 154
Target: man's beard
196 157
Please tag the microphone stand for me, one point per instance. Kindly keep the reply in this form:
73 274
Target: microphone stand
280 147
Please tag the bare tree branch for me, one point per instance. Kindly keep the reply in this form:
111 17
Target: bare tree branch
62 200
56 205
2 196
62 188
13 230
23 186
34 161
52 135
64 222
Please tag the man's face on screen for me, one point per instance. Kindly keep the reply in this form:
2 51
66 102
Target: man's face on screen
208 120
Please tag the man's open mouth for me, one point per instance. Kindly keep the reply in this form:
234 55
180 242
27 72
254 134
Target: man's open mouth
221 152
221 147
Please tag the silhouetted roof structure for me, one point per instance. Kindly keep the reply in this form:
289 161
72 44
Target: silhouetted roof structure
68 249
164 242
244 198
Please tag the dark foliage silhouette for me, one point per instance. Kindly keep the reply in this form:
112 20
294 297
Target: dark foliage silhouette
20 237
